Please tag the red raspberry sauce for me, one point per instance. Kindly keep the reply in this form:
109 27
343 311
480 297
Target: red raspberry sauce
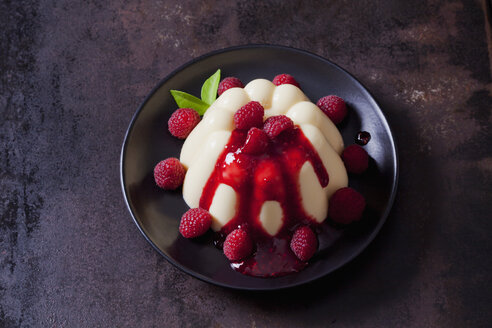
272 175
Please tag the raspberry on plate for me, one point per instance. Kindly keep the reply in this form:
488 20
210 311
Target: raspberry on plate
285 79
304 243
169 173
356 159
248 116
277 124
256 142
346 206
334 107
237 245
182 122
229 82
195 222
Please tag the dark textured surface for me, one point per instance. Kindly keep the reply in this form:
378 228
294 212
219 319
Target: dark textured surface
73 73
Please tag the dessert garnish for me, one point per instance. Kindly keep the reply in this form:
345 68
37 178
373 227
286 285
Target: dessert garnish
334 107
195 222
208 95
169 173
304 243
285 79
237 245
256 142
182 122
264 170
355 158
346 206
229 82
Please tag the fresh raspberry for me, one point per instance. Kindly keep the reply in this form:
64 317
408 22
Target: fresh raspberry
182 122
356 159
277 124
169 173
237 245
256 142
334 107
285 79
229 82
304 243
346 205
195 222
248 116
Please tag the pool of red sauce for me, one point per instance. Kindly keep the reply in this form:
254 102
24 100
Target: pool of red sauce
272 175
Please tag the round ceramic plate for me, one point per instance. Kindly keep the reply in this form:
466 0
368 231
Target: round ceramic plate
157 212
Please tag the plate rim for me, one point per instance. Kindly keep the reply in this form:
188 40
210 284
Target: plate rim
204 278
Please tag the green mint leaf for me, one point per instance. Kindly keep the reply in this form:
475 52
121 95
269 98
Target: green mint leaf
185 100
209 88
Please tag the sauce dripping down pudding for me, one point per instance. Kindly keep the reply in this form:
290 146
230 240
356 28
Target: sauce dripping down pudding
270 194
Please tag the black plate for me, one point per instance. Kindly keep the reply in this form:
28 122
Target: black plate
147 141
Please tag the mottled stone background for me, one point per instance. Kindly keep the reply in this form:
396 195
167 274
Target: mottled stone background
72 73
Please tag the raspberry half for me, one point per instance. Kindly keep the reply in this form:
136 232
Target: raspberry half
256 142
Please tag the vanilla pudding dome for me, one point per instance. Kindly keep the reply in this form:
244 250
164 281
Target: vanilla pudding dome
272 192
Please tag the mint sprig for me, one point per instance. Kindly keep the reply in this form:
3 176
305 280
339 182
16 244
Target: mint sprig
208 95
185 100
209 88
